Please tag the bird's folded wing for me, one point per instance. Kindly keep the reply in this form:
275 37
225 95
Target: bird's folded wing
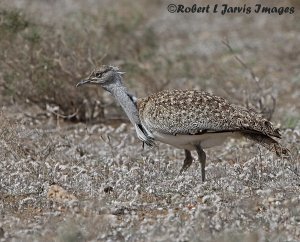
193 112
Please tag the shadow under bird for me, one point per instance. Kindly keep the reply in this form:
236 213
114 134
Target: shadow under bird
186 119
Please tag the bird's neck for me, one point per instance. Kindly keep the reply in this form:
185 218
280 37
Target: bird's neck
128 104
122 96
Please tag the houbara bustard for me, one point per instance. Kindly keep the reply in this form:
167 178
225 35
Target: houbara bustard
189 120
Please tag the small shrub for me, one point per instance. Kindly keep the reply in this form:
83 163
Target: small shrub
53 58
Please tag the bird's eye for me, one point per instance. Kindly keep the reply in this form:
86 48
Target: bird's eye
98 75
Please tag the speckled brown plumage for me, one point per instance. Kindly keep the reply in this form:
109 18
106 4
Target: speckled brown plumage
190 112
195 112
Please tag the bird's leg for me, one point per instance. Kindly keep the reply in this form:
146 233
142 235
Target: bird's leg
202 159
187 161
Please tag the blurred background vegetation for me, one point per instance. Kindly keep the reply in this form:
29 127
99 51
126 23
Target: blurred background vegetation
47 46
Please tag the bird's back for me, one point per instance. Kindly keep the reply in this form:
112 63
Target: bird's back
193 112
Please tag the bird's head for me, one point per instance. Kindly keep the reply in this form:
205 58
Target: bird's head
103 76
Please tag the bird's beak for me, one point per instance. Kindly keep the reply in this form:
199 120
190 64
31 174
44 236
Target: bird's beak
82 82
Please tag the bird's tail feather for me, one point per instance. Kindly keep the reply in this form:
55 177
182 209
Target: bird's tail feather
268 143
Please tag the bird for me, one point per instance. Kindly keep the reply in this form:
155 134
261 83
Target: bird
186 119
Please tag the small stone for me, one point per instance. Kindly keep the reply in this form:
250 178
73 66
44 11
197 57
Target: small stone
271 199
58 194
277 203
205 199
108 189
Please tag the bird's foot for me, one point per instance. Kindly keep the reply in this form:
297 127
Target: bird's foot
186 164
